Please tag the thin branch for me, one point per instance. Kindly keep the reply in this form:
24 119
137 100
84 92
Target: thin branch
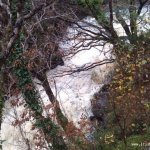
17 28
83 68
111 13
123 24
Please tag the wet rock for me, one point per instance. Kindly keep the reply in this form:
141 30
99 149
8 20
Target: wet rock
99 105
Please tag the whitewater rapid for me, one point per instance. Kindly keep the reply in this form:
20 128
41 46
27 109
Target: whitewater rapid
72 87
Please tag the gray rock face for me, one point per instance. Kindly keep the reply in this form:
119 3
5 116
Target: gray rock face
99 104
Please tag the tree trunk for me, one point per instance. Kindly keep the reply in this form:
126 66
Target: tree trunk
62 120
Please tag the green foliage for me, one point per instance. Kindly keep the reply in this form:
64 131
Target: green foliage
14 9
128 111
31 96
27 6
22 7
90 2
48 124
96 9
105 139
24 78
